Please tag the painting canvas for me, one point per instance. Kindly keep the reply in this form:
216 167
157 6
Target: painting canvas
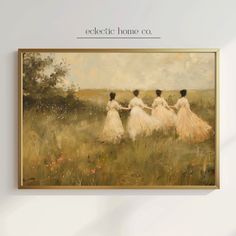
118 118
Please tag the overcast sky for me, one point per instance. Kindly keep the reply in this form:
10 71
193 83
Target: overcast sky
165 71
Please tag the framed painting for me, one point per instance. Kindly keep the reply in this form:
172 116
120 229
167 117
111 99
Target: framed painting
118 118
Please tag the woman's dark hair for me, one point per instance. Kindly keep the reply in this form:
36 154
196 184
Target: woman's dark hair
136 92
112 96
183 92
158 92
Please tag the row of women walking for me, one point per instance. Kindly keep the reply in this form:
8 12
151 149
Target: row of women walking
188 125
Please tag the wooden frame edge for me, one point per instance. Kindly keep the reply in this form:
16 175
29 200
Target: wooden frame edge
118 50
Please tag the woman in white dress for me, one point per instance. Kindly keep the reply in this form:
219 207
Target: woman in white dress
162 111
139 122
189 126
113 130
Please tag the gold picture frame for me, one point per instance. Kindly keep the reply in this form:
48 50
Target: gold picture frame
21 184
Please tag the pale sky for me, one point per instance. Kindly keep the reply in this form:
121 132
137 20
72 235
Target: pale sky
166 71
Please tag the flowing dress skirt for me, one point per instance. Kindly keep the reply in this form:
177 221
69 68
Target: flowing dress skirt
165 116
140 123
113 130
190 127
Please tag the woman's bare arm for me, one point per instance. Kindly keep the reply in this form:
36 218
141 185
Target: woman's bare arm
147 107
125 108
173 107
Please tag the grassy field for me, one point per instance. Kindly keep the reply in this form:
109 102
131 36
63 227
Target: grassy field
62 148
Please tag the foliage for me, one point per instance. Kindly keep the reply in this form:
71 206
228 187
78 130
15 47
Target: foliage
41 76
42 84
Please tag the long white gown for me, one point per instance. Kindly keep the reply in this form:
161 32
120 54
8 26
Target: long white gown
189 126
139 122
113 129
162 112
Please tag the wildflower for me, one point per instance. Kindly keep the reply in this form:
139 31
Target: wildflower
53 163
60 159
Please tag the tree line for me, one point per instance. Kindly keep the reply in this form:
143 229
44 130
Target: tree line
43 86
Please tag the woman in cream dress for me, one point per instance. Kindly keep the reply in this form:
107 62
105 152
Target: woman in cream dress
162 111
113 130
139 122
189 126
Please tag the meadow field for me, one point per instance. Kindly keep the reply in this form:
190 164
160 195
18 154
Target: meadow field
62 148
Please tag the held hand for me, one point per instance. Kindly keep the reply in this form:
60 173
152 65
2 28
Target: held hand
125 108
149 108
170 108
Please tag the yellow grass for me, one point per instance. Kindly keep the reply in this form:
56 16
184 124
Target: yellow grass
63 149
